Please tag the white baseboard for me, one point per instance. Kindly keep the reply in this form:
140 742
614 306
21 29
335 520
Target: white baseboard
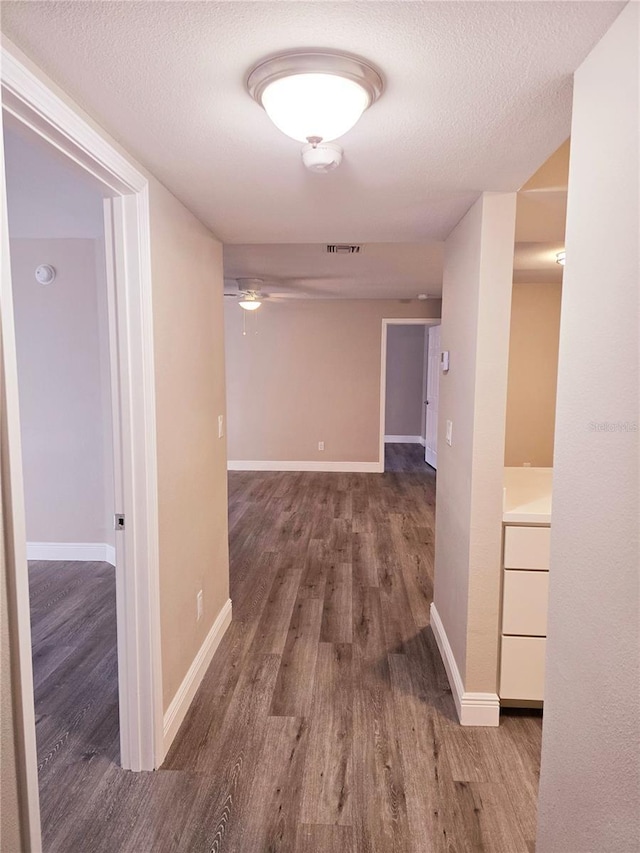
336 467
404 439
474 709
181 702
80 551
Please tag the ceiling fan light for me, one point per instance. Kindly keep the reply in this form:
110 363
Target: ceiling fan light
250 304
314 106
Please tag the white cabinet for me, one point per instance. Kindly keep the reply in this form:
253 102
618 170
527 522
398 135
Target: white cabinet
526 547
522 668
524 603
525 589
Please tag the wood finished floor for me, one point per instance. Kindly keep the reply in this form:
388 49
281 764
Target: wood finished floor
325 723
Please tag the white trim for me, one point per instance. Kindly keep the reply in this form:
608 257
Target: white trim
181 702
13 526
261 465
404 439
83 551
474 709
394 321
30 100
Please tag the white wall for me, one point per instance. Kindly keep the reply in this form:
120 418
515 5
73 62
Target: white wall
476 302
48 195
405 390
590 776
62 403
62 336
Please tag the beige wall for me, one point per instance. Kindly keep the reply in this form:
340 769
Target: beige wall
533 373
405 380
64 408
477 286
590 776
190 394
311 373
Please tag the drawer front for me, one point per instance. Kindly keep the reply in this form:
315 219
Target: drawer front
524 608
526 547
522 668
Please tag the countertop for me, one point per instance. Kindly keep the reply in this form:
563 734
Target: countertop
527 495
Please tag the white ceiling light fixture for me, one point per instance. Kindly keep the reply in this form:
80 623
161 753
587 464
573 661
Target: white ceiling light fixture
560 257
314 97
250 301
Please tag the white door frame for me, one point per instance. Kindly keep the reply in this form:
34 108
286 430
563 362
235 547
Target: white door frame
431 456
29 100
395 321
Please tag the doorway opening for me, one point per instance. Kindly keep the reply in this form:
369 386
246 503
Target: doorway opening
408 389
61 321
29 106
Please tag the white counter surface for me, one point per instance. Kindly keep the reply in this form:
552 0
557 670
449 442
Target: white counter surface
527 495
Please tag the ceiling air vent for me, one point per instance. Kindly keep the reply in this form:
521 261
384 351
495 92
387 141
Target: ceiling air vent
343 249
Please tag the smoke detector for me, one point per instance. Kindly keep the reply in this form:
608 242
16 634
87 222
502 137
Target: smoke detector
45 274
321 157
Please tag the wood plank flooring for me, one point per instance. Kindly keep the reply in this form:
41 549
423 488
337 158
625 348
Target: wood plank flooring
325 723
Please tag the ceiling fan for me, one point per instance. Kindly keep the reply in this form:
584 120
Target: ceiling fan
250 293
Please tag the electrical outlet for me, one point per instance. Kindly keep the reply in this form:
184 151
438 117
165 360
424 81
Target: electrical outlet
526 464
220 426
199 603
321 445
449 432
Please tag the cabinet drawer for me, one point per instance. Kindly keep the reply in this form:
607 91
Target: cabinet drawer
522 668
526 547
524 607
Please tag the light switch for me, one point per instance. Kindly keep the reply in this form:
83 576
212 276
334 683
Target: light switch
449 432
220 426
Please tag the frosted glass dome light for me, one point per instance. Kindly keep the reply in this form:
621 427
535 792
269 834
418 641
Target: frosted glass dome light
251 302
314 106
314 96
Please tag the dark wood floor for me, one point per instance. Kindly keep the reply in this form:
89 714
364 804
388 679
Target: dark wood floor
325 723
407 458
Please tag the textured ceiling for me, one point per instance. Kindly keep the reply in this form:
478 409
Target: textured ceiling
477 96
381 271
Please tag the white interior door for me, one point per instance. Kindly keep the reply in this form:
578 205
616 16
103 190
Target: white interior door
433 381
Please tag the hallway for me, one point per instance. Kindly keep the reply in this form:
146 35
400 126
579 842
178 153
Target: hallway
325 722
